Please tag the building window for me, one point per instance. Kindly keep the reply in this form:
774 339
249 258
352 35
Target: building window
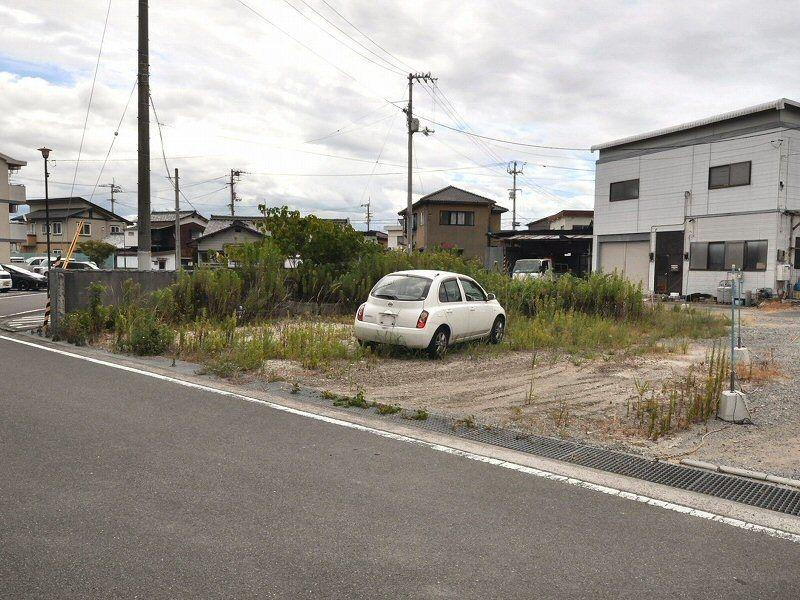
797 253
116 229
457 217
624 190
86 229
732 175
57 252
722 256
55 228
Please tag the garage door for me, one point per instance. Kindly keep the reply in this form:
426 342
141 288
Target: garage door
632 259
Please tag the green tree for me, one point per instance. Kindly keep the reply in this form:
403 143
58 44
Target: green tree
316 241
96 250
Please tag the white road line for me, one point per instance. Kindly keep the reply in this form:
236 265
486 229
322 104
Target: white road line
680 508
24 312
7 297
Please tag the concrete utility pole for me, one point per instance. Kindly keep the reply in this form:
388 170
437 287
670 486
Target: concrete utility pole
413 127
177 223
369 214
514 171
234 178
114 190
144 241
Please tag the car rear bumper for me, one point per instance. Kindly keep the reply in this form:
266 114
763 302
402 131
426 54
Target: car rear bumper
398 336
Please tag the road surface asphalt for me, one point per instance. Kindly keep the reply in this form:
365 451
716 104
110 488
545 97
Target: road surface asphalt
14 302
118 485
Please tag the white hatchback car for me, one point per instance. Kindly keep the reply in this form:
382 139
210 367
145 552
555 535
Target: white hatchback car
429 309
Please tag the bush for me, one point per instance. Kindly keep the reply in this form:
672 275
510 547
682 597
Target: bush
76 328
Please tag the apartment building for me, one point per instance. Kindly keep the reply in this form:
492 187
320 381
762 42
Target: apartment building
676 208
11 195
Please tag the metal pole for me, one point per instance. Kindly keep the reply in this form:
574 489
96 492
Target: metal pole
177 224
733 325
47 216
233 193
409 215
514 199
144 239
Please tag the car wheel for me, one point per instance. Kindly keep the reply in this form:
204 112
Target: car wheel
438 346
367 344
498 331
23 285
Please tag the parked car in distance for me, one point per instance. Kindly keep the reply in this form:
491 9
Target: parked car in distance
534 268
5 280
25 279
430 310
38 264
80 265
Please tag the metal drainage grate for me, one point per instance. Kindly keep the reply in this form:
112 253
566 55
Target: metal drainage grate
729 487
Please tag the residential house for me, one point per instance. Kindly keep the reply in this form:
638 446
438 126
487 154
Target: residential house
11 195
162 239
379 237
65 216
564 237
453 218
224 231
677 208
568 219
395 237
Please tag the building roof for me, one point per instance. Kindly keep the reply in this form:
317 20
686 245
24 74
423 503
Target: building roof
377 234
564 213
78 201
164 216
12 162
779 104
549 236
454 195
220 225
55 213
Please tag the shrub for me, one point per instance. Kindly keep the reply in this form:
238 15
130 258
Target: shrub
76 328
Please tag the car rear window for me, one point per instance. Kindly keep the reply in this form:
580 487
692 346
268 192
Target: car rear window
402 287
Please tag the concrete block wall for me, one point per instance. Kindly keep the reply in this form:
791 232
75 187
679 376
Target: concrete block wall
69 290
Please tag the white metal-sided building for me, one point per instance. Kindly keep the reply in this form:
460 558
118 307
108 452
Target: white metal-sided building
676 208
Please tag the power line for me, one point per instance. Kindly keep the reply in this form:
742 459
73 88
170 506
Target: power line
91 96
164 154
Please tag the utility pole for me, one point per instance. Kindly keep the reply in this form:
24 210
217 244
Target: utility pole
143 205
514 171
177 223
235 174
115 189
413 127
369 214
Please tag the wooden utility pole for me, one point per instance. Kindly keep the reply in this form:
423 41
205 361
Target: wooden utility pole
514 171
143 205
177 223
413 127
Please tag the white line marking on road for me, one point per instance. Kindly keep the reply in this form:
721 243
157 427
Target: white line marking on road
8 297
680 508
24 312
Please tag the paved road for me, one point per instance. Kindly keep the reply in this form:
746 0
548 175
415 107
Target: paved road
119 485
16 302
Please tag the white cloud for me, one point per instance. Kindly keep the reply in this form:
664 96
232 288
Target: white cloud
233 92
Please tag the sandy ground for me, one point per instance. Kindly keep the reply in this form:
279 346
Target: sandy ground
588 399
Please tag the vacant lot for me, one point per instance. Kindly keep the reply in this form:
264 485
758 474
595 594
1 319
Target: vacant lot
592 399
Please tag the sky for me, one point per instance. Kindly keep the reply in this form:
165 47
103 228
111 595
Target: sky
305 96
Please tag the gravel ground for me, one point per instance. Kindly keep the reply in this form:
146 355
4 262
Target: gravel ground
772 443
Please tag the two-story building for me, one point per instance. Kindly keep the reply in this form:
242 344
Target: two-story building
455 219
677 208
162 238
11 195
66 214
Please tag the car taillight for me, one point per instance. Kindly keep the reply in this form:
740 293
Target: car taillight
423 318
360 313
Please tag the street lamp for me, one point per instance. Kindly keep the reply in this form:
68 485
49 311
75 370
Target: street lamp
45 155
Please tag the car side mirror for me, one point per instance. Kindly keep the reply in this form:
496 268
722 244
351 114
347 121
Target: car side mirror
490 297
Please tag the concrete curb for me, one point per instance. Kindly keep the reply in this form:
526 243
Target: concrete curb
741 472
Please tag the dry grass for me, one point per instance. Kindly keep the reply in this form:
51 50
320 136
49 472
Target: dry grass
759 371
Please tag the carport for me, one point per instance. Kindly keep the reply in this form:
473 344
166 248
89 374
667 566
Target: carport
573 250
